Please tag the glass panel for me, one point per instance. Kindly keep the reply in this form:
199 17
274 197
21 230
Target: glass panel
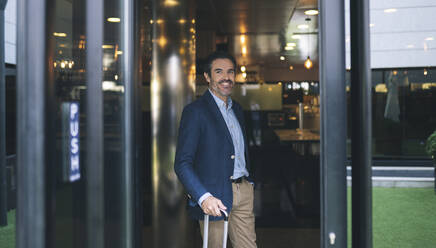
113 104
11 114
69 65
7 233
67 223
401 122
403 76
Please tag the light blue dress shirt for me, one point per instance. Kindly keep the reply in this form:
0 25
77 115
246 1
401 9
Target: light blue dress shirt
237 138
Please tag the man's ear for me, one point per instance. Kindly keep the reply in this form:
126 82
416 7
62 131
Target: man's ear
206 76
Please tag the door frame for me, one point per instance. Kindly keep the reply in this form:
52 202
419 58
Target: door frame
333 123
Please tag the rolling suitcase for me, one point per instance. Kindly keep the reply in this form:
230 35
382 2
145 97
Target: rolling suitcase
206 229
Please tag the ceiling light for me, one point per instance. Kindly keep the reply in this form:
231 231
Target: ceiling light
289 48
390 10
371 25
242 39
296 37
282 58
60 34
308 63
244 50
243 68
162 41
291 44
151 21
291 68
107 46
311 12
113 19
182 21
429 38
303 26
171 3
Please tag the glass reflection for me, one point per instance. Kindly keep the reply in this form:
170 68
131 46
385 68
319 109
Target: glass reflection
401 120
113 111
68 61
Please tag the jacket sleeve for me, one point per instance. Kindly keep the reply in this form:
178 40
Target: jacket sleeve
187 144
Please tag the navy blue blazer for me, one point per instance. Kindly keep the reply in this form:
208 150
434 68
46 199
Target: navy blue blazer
205 153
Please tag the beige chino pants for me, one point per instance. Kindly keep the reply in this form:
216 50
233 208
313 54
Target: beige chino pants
241 220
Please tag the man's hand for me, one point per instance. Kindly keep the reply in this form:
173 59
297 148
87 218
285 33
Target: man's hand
212 206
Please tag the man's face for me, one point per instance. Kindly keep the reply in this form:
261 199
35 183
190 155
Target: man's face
222 77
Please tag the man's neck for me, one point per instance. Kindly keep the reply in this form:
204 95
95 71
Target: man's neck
224 98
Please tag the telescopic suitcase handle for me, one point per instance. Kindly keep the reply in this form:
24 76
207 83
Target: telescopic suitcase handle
206 229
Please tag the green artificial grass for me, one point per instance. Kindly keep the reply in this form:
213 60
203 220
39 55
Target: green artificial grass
7 233
402 217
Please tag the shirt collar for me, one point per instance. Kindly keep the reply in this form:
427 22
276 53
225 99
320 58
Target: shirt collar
220 102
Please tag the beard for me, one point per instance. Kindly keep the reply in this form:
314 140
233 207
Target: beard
223 92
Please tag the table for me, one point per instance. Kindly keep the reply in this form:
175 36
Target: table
304 142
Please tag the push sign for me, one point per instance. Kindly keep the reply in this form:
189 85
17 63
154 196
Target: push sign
70 141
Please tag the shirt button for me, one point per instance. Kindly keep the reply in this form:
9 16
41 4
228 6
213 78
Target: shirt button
232 157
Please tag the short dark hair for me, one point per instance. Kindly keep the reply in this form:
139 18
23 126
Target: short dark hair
214 56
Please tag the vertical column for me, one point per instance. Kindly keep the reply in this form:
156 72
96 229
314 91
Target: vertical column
140 23
51 164
3 190
94 116
139 169
361 125
333 124
32 64
128 123
172 87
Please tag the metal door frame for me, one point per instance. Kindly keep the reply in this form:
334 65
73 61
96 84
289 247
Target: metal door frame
333 123
31 90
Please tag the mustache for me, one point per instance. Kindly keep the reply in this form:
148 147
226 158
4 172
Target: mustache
225 81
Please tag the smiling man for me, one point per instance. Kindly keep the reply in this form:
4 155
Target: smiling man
212 157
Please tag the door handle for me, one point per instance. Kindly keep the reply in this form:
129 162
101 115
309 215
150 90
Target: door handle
332 237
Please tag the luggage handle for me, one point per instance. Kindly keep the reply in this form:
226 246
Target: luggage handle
206 229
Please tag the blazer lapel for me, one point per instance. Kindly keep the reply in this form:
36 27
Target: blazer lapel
214 108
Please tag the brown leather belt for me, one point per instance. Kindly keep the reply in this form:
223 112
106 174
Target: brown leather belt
238 180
